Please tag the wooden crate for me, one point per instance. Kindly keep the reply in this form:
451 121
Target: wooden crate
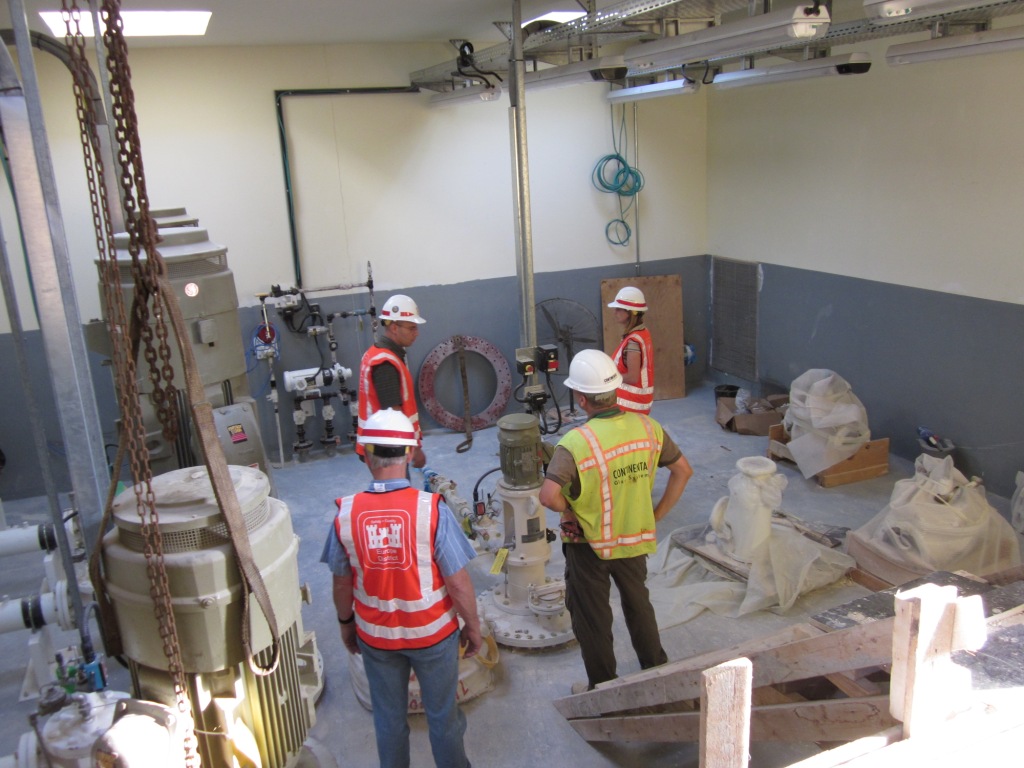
872 460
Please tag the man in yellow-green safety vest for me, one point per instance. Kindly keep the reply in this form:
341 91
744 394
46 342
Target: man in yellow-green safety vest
600 479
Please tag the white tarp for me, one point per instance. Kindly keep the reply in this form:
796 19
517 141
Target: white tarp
826 422
937 520
784 567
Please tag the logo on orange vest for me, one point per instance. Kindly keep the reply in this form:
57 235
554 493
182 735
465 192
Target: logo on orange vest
385 544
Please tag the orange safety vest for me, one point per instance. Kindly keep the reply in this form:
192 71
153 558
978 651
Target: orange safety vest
400 597
631 397
368 402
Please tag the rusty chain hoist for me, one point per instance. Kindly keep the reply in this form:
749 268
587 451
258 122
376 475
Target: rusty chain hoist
154 308
125 343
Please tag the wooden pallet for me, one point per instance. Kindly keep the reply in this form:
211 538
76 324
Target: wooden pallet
821 681
872 460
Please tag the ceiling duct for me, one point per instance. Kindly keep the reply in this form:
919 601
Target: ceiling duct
600 70
799 25
845 64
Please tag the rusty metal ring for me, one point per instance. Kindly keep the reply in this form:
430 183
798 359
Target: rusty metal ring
502 391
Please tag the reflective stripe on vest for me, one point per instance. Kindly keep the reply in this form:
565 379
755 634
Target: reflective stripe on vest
400 597
615 507
631 397
369 403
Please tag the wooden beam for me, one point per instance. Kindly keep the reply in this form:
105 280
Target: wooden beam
926 687
854 686
801 721
867 645
642 687
725 715
865 745
981 740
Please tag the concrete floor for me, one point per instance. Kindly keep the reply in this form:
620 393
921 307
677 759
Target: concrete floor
513 724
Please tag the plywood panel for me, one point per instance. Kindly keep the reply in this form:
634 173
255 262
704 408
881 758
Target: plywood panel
664 319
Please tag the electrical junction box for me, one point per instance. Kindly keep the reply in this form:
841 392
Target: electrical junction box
548 354
526 361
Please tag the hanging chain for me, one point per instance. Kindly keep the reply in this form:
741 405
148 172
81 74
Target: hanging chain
125 338
139 224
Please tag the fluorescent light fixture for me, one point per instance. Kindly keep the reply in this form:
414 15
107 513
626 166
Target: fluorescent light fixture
846 64
556 17
952 46
136 23
600 70
890 11
769 30
653 90
469 95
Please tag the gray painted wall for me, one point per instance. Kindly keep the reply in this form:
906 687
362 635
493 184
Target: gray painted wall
914 357
485 308
22 476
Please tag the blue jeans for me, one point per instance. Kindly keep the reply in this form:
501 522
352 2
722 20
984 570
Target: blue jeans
437 671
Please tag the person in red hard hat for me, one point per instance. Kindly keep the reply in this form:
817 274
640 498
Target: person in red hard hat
385 380
400 586
635 356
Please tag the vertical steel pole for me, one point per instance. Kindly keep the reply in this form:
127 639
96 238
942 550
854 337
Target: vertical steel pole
521 175
102 111
47 252
636 199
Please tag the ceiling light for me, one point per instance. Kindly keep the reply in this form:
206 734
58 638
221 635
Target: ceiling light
469 95
602 70
846 64
890 11
136 23
770 30
556 17
952 46
653 90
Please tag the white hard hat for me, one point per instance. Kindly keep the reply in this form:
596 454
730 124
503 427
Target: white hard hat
401 307
593 372
388 427
630 298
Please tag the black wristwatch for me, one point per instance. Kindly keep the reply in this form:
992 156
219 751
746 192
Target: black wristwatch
349 620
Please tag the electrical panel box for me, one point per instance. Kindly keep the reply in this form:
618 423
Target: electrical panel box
526 361
548 355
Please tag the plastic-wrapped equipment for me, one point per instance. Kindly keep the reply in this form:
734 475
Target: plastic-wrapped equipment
1017 505
826 422
937 520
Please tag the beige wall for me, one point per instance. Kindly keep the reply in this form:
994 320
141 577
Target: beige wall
908 175
424 194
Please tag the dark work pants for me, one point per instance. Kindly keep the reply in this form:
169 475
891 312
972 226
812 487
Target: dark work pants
588 589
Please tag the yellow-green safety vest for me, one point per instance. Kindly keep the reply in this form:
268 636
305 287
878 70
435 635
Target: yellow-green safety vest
617 457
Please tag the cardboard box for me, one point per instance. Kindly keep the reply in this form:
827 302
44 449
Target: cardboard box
872 460
750 423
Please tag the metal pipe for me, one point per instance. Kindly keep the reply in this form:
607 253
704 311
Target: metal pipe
521 174
636 199
279 97
28 538
59 319
33 613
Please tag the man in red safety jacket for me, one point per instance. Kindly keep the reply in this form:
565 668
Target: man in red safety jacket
384 377
400 586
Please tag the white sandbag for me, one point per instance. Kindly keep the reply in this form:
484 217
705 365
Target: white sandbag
939 521
826 422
